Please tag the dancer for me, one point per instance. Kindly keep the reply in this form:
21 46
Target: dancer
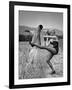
52 48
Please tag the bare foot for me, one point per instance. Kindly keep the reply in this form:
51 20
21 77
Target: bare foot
53 72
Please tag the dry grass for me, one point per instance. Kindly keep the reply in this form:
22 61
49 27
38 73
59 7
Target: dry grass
39 69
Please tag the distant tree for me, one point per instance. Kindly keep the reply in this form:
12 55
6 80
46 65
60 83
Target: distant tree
26 36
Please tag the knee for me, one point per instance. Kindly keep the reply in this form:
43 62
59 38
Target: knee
48 60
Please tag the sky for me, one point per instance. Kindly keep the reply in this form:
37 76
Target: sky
47 19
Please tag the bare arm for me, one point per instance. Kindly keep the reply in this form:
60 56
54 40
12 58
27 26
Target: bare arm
33 40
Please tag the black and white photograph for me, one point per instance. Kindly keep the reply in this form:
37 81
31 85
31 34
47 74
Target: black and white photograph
40 51
40 44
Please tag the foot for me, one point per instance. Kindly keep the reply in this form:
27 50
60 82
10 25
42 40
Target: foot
53 72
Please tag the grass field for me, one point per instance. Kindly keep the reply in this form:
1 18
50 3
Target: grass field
39 69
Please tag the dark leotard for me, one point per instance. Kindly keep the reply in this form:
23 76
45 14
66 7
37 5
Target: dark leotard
55 45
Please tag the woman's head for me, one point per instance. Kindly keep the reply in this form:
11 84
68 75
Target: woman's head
40 27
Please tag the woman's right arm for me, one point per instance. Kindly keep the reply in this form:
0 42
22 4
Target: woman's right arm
33 40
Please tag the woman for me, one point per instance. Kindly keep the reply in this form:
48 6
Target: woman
36 41
52 49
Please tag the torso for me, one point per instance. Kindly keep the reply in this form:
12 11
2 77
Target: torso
36 38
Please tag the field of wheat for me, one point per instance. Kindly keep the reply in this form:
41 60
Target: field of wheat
40 68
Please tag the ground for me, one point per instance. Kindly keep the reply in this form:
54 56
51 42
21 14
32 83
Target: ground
40 68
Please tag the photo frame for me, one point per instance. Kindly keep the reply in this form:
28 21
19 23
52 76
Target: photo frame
33 14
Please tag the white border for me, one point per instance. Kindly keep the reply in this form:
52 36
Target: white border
16 45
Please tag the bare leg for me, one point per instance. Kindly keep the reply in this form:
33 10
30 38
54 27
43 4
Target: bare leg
51 66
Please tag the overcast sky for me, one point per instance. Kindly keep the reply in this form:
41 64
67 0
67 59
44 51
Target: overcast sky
47 19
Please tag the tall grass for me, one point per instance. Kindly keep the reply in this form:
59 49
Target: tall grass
39 68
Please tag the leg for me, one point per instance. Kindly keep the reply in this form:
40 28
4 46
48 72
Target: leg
51 66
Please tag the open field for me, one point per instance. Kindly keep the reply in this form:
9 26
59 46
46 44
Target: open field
39 69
